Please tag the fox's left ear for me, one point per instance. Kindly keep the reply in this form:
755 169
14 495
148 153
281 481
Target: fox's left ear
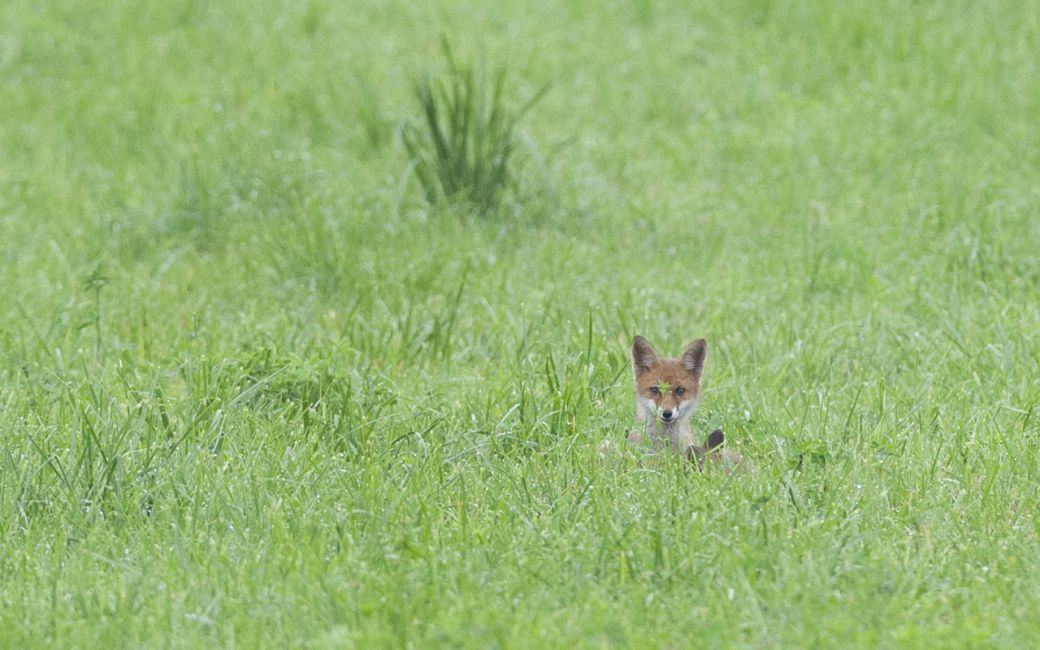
715 439
693 357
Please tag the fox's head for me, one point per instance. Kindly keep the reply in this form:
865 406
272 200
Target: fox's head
667 389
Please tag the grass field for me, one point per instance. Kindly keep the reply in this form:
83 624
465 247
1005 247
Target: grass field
255 392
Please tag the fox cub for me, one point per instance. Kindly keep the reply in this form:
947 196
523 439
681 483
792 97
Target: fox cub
667 392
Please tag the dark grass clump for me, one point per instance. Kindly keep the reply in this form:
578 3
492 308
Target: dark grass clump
462 148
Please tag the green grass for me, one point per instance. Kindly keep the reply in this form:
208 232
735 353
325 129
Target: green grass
254 391
462 146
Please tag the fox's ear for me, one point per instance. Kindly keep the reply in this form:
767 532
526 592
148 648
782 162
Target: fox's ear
693 357
715 439
643 355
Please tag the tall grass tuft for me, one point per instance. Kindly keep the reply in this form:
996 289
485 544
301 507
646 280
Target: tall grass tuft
462 146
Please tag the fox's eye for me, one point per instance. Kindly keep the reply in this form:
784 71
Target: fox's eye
655 390
680 390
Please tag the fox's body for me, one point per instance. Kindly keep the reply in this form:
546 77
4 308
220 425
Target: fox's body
667 393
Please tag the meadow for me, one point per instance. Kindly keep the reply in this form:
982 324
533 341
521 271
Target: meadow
257 391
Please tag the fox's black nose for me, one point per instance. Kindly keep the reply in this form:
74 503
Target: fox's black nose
667 415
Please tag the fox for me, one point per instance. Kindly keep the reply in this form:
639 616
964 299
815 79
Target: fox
667 392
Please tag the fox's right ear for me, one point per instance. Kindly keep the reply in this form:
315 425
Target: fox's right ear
643 355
